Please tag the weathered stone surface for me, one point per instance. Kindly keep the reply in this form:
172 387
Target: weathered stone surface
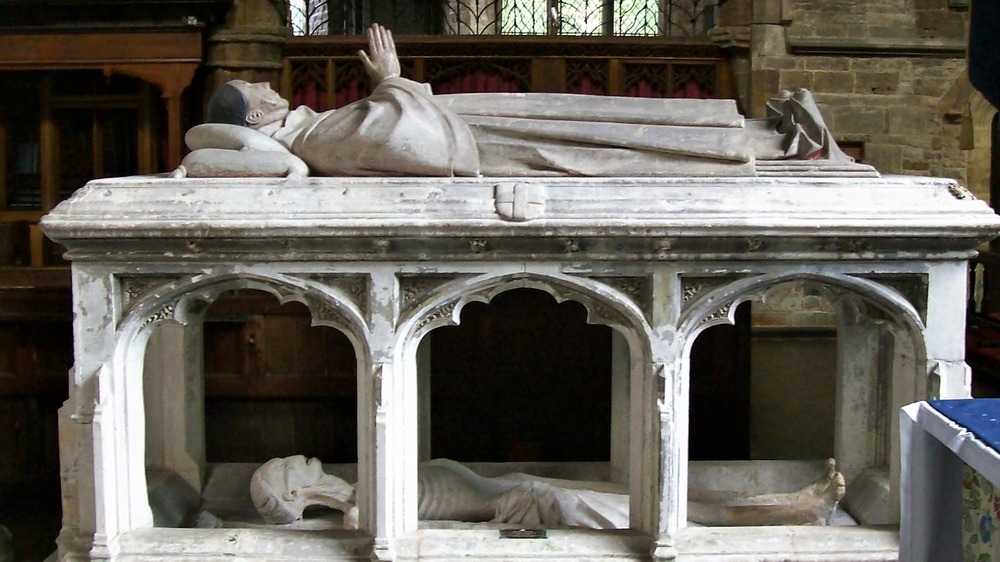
834 82
703 244
893 54
794 79
876 82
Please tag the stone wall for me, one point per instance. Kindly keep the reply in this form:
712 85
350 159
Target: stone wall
880 70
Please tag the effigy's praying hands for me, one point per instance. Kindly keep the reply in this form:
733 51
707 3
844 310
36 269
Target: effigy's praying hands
381 60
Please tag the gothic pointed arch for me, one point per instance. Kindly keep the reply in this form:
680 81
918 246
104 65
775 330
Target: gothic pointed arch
605 304
330 303
718 304
184 300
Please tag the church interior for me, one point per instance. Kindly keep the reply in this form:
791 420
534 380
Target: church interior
101 89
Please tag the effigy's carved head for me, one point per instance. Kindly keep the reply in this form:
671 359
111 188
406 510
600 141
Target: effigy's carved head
242 103
282 488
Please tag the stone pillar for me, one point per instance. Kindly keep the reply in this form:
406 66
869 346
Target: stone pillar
663 425
865 365
173 391
387 446
859 347
424 397
621 370
249 45
767 39
733 34
103 480
945 331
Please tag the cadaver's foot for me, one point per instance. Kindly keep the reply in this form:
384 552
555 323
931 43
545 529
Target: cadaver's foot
813 504
830 487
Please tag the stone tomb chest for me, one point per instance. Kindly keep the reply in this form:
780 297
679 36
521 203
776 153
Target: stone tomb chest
388 260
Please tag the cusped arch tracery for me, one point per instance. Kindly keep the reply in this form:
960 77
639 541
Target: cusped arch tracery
186 300
604 305
864 295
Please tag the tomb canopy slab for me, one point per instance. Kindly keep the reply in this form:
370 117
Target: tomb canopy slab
608 218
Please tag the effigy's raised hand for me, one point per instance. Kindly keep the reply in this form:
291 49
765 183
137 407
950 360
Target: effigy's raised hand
383 61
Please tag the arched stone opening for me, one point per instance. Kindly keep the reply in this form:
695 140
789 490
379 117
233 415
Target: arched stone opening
832 358
160 368
276 384
523 378
587 331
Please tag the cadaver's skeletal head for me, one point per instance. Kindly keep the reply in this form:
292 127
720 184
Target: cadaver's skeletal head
282 488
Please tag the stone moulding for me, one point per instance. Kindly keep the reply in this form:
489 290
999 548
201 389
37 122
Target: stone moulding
605 218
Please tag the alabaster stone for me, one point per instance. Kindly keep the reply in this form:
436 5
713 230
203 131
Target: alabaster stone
172 500
282 488
450 491
659 259
402 129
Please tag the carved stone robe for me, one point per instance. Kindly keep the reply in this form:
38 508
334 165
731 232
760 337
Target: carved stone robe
401 129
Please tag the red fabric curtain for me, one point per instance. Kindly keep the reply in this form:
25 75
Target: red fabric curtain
477 81
353 90
587 86
309 95
692 89
313 94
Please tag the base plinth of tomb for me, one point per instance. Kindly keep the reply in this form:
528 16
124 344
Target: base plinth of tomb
694 544
788 544
146 545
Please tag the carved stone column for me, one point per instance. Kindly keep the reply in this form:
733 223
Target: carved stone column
175 416
858 365
767 40
733 34
249 45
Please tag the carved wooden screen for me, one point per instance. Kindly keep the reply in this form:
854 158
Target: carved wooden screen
324 72
276 385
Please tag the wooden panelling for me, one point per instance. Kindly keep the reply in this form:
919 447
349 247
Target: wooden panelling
258 430
521 379
100 48
36 357
275 385
324 72
257 348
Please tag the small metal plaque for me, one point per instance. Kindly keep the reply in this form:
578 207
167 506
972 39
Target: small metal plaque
523 534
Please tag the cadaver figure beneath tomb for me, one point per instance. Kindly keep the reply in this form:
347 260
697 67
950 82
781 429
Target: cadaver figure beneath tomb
402 129
283 487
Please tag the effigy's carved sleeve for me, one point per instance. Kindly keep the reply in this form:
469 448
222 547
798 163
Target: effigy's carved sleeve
398 130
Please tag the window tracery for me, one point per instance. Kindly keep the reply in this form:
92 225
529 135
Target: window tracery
654 18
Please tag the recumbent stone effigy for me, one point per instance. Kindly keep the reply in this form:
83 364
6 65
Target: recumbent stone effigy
658 216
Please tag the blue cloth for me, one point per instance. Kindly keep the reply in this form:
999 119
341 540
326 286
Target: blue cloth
981 416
